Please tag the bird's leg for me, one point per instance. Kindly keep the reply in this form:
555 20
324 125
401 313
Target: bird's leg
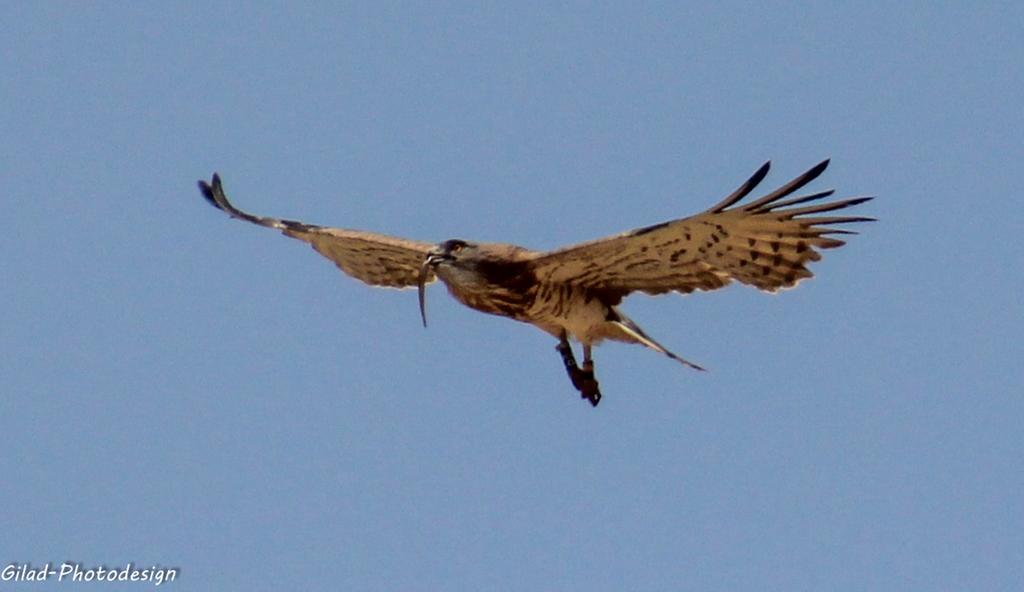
582 379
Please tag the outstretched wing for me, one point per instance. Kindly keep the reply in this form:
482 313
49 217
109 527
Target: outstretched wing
376 259
765 243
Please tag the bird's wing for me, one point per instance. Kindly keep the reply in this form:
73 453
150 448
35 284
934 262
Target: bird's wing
376 259
765 243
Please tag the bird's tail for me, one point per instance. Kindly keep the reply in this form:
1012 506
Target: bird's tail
632 330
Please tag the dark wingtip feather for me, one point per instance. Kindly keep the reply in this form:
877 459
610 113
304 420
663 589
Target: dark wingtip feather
825 207
799 200
207 189
214 193
744 189
854 219
815 171
760 174
794 185
853 201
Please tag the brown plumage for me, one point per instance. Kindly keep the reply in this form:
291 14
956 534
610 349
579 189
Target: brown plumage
574 292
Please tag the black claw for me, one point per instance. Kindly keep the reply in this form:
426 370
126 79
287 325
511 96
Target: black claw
582 379
588 387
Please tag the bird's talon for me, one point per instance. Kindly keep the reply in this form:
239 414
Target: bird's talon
587 384
591 392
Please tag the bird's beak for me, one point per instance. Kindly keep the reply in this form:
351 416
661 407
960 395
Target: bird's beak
421 283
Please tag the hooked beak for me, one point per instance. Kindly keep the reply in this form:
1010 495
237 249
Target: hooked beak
429 264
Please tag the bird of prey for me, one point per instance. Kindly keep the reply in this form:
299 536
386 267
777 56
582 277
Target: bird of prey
575 292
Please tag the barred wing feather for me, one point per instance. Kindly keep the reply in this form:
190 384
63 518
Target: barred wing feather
766 243
376 259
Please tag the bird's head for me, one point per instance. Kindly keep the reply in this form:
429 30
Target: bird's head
451 260
473 270
450 253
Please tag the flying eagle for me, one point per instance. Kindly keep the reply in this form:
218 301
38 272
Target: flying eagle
575 292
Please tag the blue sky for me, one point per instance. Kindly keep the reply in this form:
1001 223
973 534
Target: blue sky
181 389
